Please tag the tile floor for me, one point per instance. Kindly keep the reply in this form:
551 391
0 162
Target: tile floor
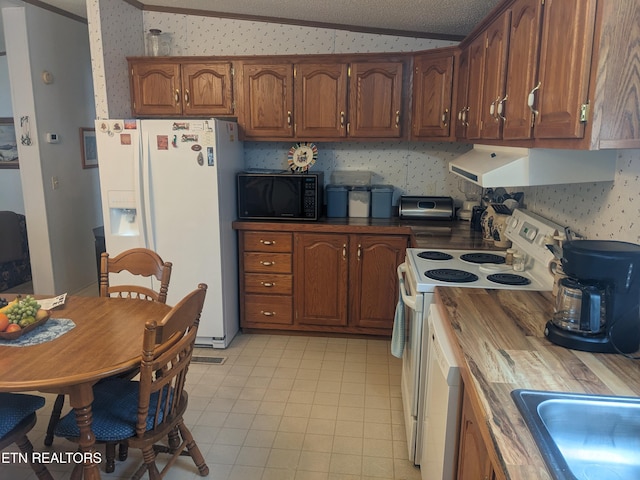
283 408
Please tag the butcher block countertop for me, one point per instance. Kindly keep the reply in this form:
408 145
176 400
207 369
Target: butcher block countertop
502 347
455 235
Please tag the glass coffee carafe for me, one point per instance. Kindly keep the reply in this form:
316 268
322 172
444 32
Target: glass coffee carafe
580 308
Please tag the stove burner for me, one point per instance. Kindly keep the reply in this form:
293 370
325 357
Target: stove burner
451 275
481 257
508 279
433 255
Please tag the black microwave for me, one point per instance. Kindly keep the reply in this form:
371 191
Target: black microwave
280 195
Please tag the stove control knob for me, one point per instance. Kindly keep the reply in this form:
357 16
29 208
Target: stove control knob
512 222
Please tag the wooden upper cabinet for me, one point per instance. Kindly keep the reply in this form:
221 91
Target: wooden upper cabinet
432 96
171 88
462 88
375 100
616 116
321 100
207 89
565 62
476 83
495 75
155 88
267 100
522 68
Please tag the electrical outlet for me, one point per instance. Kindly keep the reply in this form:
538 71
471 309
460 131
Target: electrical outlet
54 183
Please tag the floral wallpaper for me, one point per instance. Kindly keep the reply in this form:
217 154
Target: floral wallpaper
605 210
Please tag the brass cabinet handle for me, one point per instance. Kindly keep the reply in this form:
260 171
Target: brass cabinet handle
342 119
359 251
268 284
496 116
186 97
397 118
445 117
531 99
177 96
501 107
464 117
267 314
289 118
268 242
267 263
344 251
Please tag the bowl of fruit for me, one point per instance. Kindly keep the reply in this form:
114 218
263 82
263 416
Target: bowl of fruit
19 316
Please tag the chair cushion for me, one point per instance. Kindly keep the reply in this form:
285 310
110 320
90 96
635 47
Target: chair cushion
115 412
15 407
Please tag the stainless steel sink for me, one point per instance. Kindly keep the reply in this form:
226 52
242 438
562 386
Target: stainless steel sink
584 437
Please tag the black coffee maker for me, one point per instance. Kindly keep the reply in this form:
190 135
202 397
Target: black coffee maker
598 305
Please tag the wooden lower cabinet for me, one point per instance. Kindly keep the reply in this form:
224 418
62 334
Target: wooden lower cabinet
321 279
266 280
334 282
474 462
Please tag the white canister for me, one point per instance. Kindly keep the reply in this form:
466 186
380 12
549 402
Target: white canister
359 201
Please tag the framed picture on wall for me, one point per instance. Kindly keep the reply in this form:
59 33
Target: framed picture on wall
88 147
8 144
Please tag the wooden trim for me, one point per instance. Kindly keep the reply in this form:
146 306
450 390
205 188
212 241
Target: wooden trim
59 11
303 23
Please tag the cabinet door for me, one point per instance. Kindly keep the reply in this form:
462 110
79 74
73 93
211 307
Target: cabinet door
522 68
373 280
155 89
321 100
565 62
473 457
462 107
207 89
495 74
320 279
375 99
267 100
432 89
475 89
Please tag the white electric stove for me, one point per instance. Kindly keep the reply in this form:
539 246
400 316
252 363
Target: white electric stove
424 270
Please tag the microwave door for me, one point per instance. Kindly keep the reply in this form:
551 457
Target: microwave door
285 198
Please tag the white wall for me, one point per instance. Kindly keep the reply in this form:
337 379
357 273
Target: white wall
59 222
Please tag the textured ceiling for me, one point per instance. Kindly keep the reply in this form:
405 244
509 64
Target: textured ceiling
444 17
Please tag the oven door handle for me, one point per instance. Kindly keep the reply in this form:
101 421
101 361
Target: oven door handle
406 298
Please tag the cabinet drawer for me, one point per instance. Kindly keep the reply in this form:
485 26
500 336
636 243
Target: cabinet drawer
270 284
268 309
267 262
268 242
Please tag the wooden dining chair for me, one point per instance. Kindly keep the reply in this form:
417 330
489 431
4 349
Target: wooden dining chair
17 418
141 413
137 261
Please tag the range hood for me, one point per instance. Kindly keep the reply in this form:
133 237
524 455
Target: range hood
491 166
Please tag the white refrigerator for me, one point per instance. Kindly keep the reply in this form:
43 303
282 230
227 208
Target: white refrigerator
170 185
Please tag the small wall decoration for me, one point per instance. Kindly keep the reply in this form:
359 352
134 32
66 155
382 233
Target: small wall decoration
302 156
25 126
8 144
88 147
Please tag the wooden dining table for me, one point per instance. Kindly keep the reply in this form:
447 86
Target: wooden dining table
106 341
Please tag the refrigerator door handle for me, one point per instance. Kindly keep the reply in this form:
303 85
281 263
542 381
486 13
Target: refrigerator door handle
144 189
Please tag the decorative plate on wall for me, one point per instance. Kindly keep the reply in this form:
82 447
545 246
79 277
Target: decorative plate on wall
302 156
